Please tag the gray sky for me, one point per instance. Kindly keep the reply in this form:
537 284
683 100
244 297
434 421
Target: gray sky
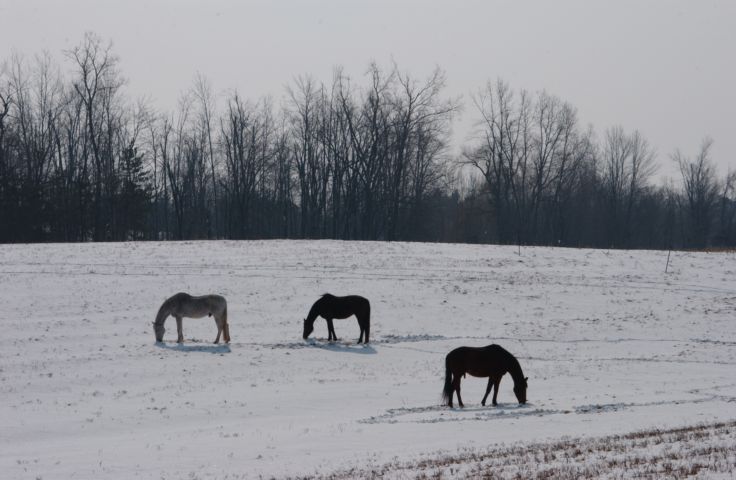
667 68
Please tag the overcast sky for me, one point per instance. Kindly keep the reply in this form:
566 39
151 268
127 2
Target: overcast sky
666 68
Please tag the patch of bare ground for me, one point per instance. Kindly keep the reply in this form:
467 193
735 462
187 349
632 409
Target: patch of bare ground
699 451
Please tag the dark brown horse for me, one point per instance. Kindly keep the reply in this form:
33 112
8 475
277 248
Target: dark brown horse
330 307
491 361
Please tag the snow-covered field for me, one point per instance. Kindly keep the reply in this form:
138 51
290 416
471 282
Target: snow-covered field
610 343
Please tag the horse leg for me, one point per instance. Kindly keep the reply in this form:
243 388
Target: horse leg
452 393
365 327
488 390
227 332
226 325
218 322
331 331
180 333
456 387
495 390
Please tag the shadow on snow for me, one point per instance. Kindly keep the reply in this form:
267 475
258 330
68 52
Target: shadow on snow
180 347
342 347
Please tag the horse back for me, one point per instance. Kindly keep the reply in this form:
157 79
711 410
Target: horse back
197 306
477 361
343 307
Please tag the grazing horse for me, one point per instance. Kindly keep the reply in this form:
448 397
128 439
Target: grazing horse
491 361
330 306
184 305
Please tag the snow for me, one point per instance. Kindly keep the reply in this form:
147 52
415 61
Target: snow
610 343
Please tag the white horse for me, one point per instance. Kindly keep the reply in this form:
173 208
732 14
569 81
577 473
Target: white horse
184 305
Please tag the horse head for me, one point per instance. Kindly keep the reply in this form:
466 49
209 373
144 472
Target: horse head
158 329
308 329
520 390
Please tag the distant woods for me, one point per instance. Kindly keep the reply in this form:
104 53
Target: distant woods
81 161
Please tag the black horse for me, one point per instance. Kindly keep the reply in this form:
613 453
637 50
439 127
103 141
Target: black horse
491 361
330 306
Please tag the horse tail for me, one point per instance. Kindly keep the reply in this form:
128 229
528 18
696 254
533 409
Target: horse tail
447 391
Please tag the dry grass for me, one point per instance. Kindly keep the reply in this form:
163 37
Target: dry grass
718 250
691 452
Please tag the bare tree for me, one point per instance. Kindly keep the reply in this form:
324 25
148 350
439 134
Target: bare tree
369 127
700 188
97 82
727 211
6 97
419 118
307 114
173 152
282 181
6 100
628 162
576 149
641 167
206 102
246 133
72 177
37 94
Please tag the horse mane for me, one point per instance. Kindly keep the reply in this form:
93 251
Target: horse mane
162 312
327 295
314 311
514 366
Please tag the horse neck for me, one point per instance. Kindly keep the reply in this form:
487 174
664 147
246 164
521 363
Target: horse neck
515 369
163 313
313 312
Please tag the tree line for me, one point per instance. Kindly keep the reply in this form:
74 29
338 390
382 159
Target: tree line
81 161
